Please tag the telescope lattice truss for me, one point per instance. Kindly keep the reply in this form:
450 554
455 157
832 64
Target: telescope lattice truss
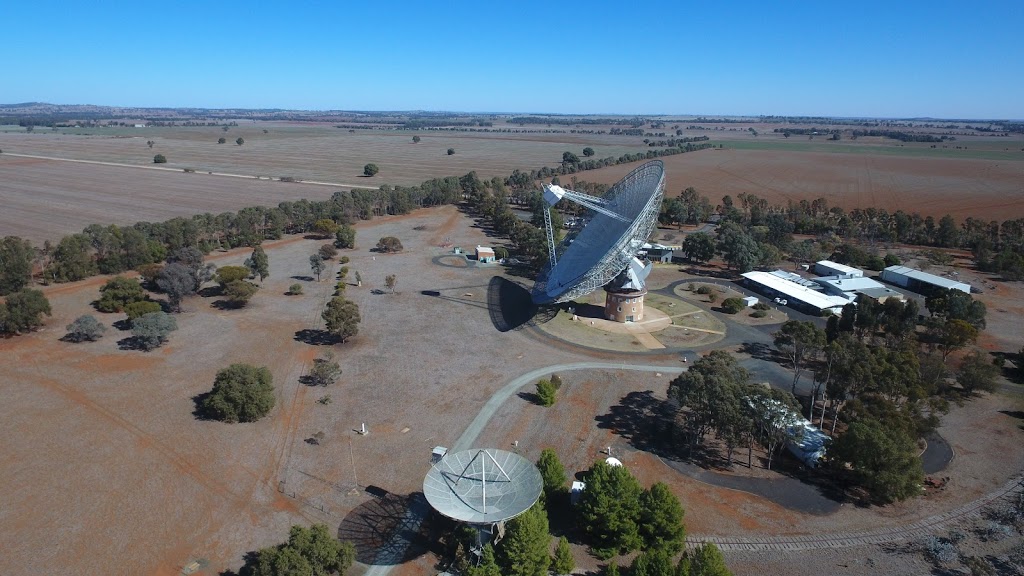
621 223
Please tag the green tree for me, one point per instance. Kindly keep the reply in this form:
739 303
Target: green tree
280 561
345 237
524 550
884 459
952 335
656 562
733 305
739 249
239 292
800 342
141 308
612 569
228 274
326 554
151 330
661 520
390 281
699 247
588 152
177 281
389 244
316 265
451 151
563 562
707 560
609 510
240 141
325 227
309 552
258 263
16 257
956 305
295 289
370 170
570 158
221 140
977 374
159 159
241 393
416 139
119 292
553 474
545 392
488 564
342 318
325 371
85 328
24 311
327 251
72 259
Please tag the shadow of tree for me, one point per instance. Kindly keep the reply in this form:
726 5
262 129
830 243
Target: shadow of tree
303 278
227 305
198 410
530 397
123 325
210 292
760 351
132 343
383 531
643 420
315 337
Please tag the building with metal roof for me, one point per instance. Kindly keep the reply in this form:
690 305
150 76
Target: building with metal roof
920 281
830 268
839 285
796 295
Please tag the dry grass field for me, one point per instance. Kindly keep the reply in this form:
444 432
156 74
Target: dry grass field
320 152
46 199
935 186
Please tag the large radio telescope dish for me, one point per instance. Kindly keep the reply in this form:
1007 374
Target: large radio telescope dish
482 486
622 221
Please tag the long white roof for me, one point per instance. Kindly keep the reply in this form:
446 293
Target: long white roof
927 278
840 267
796 291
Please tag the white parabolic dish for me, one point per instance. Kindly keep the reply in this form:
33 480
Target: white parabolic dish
606 245
482 486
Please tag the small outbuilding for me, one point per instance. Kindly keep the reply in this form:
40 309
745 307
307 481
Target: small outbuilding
750 301
484 254
830 268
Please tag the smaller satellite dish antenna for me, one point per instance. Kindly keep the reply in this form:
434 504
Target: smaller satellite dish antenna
482 486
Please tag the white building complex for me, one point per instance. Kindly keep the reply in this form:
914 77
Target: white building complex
919 281
795 290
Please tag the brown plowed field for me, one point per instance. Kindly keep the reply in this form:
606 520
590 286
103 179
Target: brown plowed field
46 199
986 189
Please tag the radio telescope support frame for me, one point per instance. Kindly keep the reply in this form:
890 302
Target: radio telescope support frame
551 237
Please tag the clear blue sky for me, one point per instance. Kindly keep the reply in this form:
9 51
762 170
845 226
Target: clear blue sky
896 58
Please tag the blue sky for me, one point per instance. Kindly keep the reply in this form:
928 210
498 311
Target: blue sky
890 59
